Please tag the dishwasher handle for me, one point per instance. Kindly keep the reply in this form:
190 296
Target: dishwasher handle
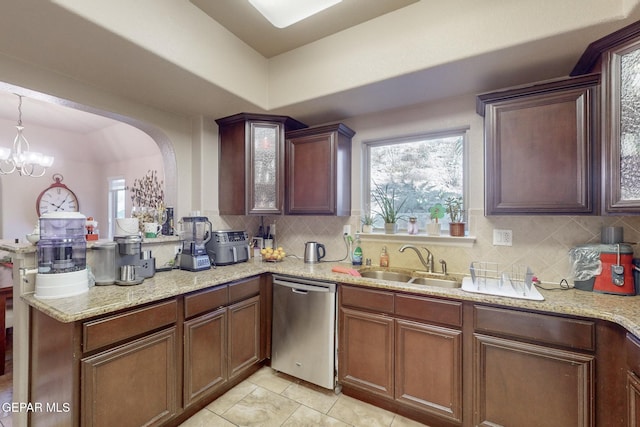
306 285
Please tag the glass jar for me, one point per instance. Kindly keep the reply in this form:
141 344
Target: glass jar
412 225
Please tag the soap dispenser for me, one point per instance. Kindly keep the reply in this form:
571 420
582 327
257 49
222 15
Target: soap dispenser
384 257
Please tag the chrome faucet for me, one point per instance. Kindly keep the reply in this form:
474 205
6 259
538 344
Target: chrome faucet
428 264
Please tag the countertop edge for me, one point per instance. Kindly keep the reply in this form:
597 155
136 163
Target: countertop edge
102 300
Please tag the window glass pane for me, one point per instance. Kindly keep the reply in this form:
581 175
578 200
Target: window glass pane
422 171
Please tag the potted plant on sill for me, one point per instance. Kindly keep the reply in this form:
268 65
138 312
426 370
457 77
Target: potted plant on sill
367 223
389 212
436 212
456 214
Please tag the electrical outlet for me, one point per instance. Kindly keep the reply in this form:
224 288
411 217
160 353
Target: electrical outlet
502 238
346 229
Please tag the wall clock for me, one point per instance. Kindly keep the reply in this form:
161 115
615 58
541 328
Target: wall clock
57 198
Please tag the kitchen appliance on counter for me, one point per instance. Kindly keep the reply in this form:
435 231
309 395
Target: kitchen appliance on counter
313 252
104 263
132 265
304 329
604 268
62 256
196 232
228 247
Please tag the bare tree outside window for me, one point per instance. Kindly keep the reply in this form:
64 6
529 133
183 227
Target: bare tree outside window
424 170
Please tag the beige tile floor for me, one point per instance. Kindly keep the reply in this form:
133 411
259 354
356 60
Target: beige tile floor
269 398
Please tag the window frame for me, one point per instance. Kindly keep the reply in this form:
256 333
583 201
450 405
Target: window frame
112 202
366 146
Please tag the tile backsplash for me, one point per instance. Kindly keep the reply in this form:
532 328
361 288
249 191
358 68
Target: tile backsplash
541 242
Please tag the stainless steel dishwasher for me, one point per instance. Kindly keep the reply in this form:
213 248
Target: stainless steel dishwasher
304 329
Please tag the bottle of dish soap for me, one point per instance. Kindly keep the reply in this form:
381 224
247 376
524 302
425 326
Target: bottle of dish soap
384 257
356 259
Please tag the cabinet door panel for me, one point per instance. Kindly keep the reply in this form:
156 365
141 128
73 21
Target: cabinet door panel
244 335
318 171
131 385
518 384
204 354
311 175
539 148
633 400
366 351
429 368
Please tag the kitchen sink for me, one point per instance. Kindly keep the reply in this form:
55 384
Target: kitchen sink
435 281
386 275
410 276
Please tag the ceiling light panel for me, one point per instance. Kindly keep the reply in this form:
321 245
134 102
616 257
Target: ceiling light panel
283 13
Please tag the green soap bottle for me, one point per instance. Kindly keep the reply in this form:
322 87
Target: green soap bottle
356 258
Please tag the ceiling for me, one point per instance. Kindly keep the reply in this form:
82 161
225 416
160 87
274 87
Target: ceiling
72 46
239 17
250 26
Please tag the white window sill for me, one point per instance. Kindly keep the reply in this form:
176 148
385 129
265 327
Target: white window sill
443 240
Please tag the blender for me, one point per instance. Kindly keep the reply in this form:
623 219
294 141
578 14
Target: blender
196 232
62 256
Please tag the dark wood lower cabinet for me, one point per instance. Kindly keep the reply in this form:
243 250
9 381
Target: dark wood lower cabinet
522 384
633 400
408 366
428 368
131 385
153 365
244 335
367 342
205 349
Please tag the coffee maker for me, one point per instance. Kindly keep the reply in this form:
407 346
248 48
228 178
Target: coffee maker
196 232
133 265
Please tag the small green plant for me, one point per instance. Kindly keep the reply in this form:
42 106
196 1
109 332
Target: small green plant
454 209
436 212
367 219
386 200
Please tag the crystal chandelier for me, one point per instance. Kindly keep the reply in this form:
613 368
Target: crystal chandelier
19 158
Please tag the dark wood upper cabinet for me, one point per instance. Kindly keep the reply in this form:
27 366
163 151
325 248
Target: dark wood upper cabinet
541 155
617 56
318 171
251 165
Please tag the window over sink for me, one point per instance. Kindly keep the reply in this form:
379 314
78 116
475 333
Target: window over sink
421 170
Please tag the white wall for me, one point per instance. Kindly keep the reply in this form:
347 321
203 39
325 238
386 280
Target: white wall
85 163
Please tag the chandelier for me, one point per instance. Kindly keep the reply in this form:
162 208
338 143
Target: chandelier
19 158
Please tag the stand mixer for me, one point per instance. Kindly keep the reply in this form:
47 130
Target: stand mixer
196 232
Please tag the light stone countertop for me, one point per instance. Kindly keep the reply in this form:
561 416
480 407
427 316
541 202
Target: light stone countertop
100 300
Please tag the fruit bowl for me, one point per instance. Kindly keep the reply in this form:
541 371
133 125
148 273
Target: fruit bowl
272 255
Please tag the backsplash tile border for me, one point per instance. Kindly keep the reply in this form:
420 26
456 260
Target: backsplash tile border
540 241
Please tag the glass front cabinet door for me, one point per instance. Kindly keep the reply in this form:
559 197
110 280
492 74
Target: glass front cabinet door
264 193
621 77
251 165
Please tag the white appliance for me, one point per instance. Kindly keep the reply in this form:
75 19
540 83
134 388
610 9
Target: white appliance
62 256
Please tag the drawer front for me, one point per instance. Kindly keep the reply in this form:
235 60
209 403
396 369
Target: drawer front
244 289
204 301
429 309
110 330
368 299
633 353
543 328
